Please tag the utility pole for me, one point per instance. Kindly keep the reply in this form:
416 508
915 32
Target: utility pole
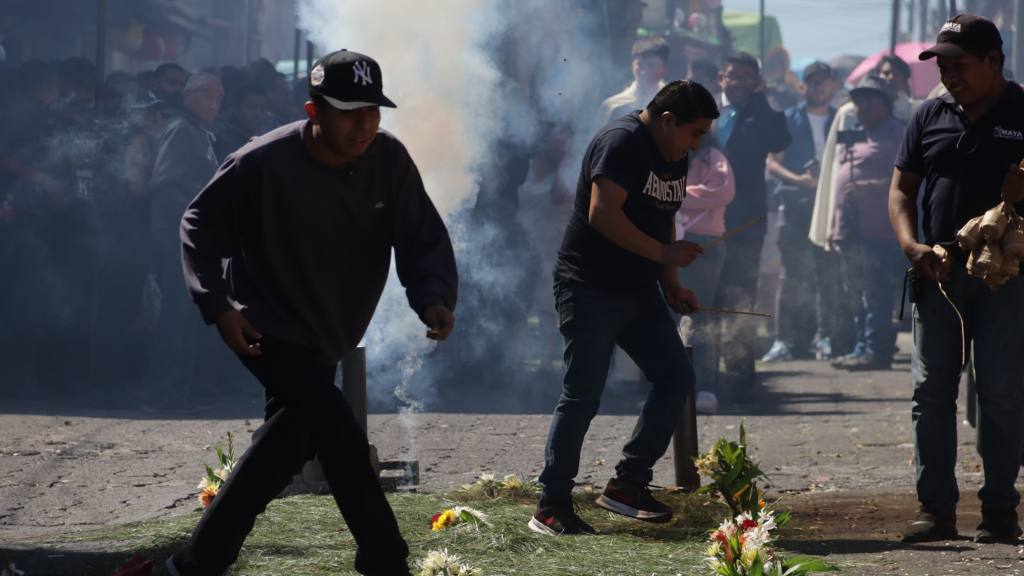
760 35
895 32
925 30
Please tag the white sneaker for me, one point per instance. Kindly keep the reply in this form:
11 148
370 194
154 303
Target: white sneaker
707 402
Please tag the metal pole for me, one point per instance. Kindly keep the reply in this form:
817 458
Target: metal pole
298 54
1018 41
760 35
102 7
309 56
684 442
353 383
925 28
895 31
952 9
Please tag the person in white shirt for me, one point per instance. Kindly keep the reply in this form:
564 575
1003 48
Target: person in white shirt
650 66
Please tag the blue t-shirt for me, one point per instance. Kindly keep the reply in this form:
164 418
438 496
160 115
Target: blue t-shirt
624 152
963 164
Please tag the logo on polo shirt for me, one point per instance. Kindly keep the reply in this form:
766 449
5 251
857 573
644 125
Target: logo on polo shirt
670 191
1007 134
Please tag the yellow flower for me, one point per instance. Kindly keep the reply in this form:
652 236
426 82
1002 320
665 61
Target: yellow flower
749 556
446 519
207 494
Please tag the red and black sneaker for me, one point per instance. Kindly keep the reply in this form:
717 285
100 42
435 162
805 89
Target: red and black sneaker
558 519
634 501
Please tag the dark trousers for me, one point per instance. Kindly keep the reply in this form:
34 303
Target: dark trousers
831 297
795 302
307 417
874 269
993 324
593 322
737 289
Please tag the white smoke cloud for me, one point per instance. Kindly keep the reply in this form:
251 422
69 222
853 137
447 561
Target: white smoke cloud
435 69
458 115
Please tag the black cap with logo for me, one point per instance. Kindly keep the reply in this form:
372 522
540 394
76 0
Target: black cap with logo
348 80
965 33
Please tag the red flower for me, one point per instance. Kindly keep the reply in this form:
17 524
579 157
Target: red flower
137 566
721 537
748 524
434 518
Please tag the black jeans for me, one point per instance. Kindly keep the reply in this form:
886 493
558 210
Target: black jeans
306 416
592 322
795 303
737 289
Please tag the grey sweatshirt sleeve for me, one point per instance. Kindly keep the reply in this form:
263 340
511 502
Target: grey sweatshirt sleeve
424 257
208 236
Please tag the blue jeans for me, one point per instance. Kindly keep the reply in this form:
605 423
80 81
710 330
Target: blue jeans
593 322
874 269
993 322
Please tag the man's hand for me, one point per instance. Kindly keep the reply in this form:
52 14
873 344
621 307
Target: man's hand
681 300
1013 185
440 322
927 263
241 336
682 253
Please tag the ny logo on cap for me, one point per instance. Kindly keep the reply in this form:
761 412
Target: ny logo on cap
362 70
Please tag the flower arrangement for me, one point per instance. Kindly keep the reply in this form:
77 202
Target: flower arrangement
458 515
733 476
511 486
441 563
213 479
742 547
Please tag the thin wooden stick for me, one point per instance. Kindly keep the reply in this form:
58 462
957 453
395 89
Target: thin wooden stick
734 231
727 311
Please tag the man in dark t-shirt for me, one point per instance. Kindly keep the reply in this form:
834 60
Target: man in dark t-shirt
965 149
308 215
618 247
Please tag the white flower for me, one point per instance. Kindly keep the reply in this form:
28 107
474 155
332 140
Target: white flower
476 514
441 563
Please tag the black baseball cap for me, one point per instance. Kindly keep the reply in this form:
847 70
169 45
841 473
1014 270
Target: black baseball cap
818 68
965 33
348 80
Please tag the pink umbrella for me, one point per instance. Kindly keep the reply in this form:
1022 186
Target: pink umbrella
924 76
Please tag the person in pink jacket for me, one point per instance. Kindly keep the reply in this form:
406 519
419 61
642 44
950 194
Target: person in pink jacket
710 187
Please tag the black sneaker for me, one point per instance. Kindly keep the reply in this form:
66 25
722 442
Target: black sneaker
998 527
928 527
557 519
634 501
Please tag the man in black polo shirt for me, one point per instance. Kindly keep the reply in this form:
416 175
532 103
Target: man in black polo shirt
748 131
962 147
308 215
618 247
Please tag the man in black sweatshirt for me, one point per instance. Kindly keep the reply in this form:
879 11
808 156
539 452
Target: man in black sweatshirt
307 216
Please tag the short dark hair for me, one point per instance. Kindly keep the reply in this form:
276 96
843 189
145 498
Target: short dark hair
743 59
898 64
167 67
651 46
686 100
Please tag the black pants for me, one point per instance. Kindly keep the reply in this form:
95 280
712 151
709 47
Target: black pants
593 322
795 301
307 416
737 289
